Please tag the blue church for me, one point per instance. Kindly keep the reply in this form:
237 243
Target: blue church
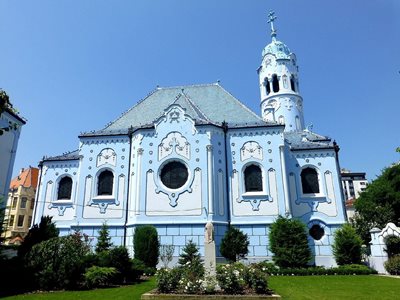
187 155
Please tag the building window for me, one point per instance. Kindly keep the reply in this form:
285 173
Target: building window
23 202
253 179
275 83
105 183
267 87
64 188
316 232
292 84
20 221
29 221
174 175
32 203
14 203
309 181
11 223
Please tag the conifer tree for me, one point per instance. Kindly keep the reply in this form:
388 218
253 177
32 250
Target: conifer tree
191 259
104 240
234 244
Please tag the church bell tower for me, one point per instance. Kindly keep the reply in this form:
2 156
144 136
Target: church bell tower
279 84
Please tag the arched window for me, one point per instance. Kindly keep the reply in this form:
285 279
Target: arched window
275 83
64 188
253 179
292 84
105 183
281 120
309 181
316 232
267 87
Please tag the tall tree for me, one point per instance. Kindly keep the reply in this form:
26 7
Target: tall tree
146 245
234 244
379 204
288 241
103 240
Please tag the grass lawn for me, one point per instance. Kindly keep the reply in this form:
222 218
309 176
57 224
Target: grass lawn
289 287
336 287
130 292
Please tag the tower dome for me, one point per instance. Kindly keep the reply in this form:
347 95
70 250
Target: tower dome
277 48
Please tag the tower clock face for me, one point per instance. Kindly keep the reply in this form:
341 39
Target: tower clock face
107 153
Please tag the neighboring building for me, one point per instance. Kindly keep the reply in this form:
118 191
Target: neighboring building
353 184
188 155
20 205
8 147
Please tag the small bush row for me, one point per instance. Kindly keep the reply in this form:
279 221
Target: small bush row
352 269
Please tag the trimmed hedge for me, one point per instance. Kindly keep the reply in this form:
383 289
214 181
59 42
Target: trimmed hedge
353 269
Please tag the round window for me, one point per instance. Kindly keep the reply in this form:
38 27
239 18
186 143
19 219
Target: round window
174 175
316 232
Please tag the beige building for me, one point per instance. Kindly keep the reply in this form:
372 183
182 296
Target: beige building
20 205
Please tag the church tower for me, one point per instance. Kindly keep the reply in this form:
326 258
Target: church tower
279 84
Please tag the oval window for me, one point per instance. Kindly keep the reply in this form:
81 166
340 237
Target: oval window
316 232
174 175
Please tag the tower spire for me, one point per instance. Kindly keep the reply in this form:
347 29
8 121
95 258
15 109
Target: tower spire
271 19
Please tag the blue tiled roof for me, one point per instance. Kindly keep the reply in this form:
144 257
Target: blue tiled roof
300 140
206 104
73 155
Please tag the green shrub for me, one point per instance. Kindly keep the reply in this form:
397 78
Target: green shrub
138 269
99 276
392 246
231 278
234 244
168 280
347 246
289 243
146 245
58 263
257 280
38 233
392 265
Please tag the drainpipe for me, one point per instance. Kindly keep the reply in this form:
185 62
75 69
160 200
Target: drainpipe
130 133
228 209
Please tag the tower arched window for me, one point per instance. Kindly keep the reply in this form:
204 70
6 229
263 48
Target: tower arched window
267 87
253 179
105 183
292 83
309 181
64 188
275 83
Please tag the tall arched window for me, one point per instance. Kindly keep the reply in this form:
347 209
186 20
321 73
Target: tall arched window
105 183
253 179
64 188
275 83
292 83
267 87
309 181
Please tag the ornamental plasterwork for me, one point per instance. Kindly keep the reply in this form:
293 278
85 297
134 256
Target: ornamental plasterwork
174 141
107 156
251 149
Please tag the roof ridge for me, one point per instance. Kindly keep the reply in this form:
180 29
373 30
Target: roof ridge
196 108
240 103
187 85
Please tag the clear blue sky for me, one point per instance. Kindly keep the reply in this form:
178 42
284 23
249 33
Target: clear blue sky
72 66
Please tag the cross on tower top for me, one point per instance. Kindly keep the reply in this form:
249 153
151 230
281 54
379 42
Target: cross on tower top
271 19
